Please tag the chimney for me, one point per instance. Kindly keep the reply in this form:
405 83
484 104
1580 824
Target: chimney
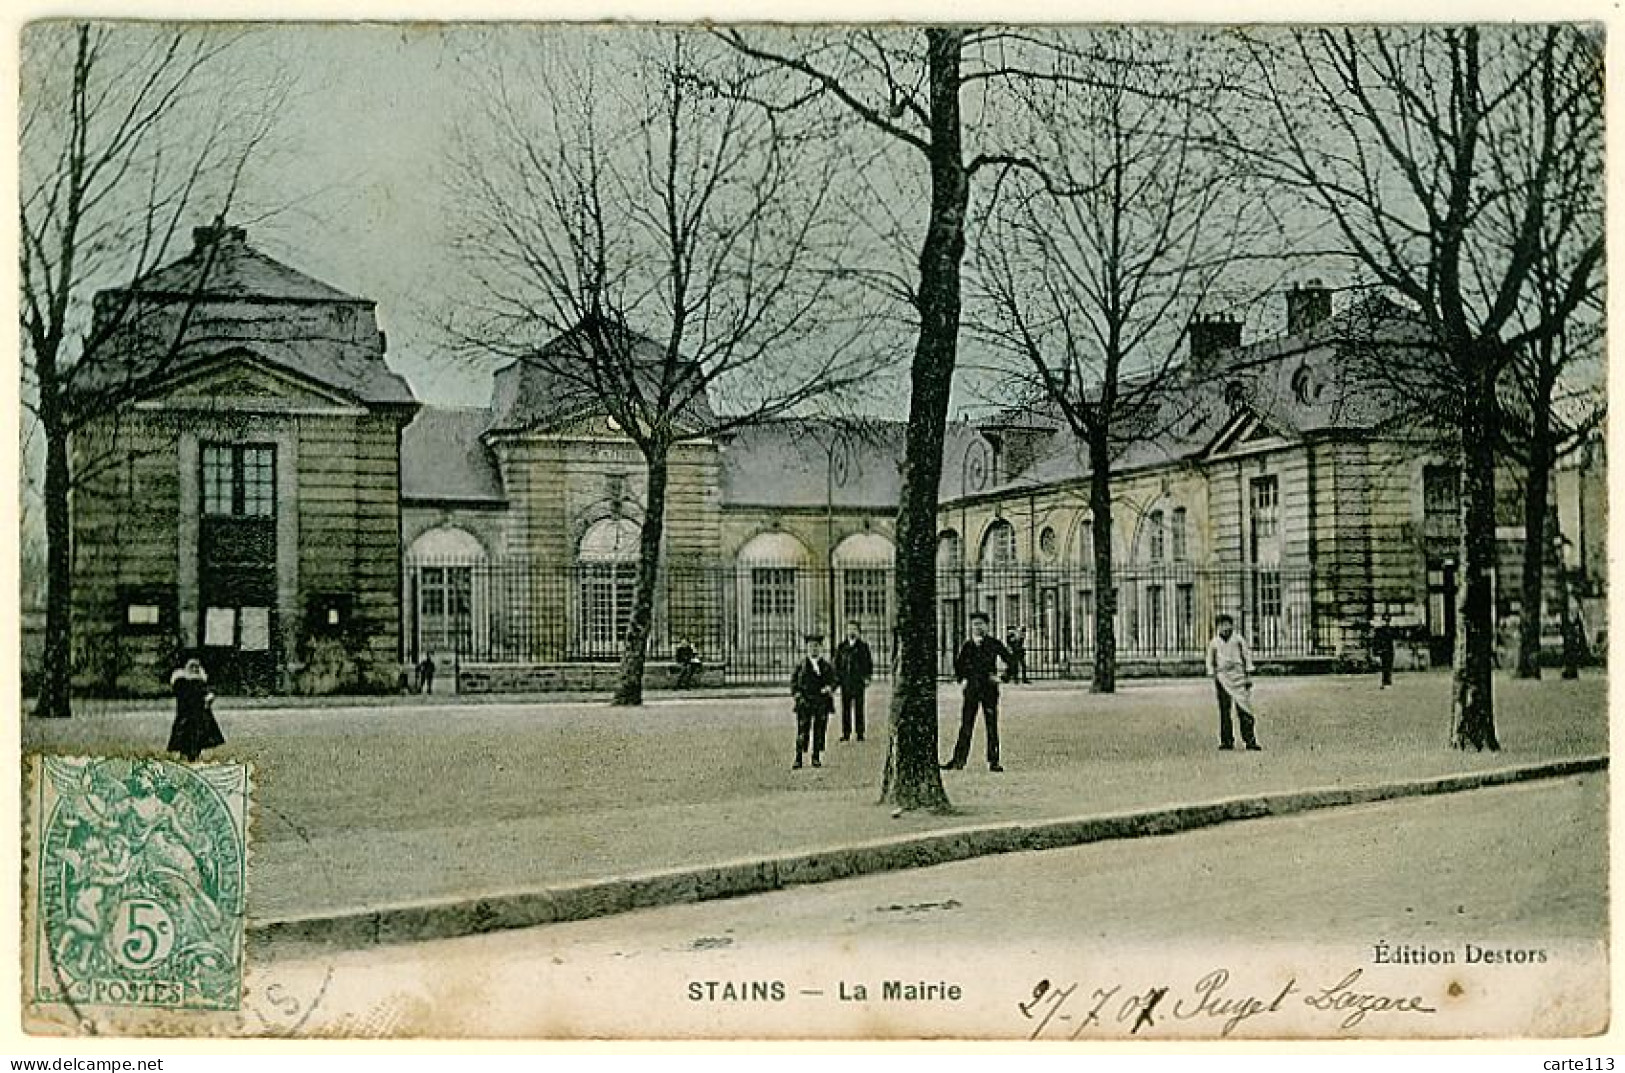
217 234
1210 334
1307 306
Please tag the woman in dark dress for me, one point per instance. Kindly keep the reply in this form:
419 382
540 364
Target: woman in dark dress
194 729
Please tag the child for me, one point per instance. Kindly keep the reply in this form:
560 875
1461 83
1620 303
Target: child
1230 665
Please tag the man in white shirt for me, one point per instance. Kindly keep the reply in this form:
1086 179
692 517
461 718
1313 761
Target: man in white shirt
1230 665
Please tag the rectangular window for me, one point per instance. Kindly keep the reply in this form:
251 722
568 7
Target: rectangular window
1157 537
773 591
1265 495
1265 521
864 592
239 481
258 469
607 593
1176 531
1269 594
217 466
1441 491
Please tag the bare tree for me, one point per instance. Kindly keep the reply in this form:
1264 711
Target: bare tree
1090 292
123 139
1440 153
657 248
910 86
1552 399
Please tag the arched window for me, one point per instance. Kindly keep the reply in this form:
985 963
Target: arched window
772 571
863 562
1001 582
446 597
999 545
607 576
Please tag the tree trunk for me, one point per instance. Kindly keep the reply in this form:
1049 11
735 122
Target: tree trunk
1100 525
629 689
1472 699
1537 486
912 780
56 682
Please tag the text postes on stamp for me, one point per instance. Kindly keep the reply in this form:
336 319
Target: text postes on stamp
139 883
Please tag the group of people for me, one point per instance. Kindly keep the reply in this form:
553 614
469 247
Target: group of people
976 667
813 685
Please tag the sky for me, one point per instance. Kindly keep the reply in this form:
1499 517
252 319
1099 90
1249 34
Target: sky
355 185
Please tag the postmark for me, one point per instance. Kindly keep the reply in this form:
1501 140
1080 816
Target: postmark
139 883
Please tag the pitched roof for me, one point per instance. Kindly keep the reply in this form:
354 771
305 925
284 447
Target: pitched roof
247 302
223 267
444 459
788 463
555 385
1302 384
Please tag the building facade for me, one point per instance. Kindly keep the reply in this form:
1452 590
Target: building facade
280 502
243 502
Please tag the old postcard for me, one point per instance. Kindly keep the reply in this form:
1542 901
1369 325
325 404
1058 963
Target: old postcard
829 532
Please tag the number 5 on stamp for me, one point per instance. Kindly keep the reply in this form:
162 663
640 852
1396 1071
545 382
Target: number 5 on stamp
138 886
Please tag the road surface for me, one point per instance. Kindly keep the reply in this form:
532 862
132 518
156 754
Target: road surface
1520 868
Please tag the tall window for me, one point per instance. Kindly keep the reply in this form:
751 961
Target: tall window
239 481
1156 537
1153 617
446 608
1177 535
1441 492
607 580
1184 615
1266 555
237 577
1266 521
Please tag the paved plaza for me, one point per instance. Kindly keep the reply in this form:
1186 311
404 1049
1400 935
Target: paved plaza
361 805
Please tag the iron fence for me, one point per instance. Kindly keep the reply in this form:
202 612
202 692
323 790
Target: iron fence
750 619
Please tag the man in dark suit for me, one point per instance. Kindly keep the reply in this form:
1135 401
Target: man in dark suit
975 664
813 687
1382 645
854 666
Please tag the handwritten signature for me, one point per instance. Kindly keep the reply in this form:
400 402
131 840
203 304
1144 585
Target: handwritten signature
1067 1011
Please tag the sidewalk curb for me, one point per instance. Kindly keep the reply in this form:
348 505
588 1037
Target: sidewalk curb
620 894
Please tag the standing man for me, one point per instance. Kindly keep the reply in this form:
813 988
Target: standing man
813 688
975 664
854 666
426 673
1382 645
1230 665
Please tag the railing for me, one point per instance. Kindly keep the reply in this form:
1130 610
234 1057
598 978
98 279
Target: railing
751 619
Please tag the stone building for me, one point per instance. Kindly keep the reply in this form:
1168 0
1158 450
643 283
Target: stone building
1278 488
272 495
244 499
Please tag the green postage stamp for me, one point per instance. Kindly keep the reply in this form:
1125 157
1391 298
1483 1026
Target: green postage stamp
138 885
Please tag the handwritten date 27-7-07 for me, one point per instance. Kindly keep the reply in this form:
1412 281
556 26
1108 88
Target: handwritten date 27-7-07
1068 1011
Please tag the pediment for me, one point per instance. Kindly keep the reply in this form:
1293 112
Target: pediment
243 382
1244 432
